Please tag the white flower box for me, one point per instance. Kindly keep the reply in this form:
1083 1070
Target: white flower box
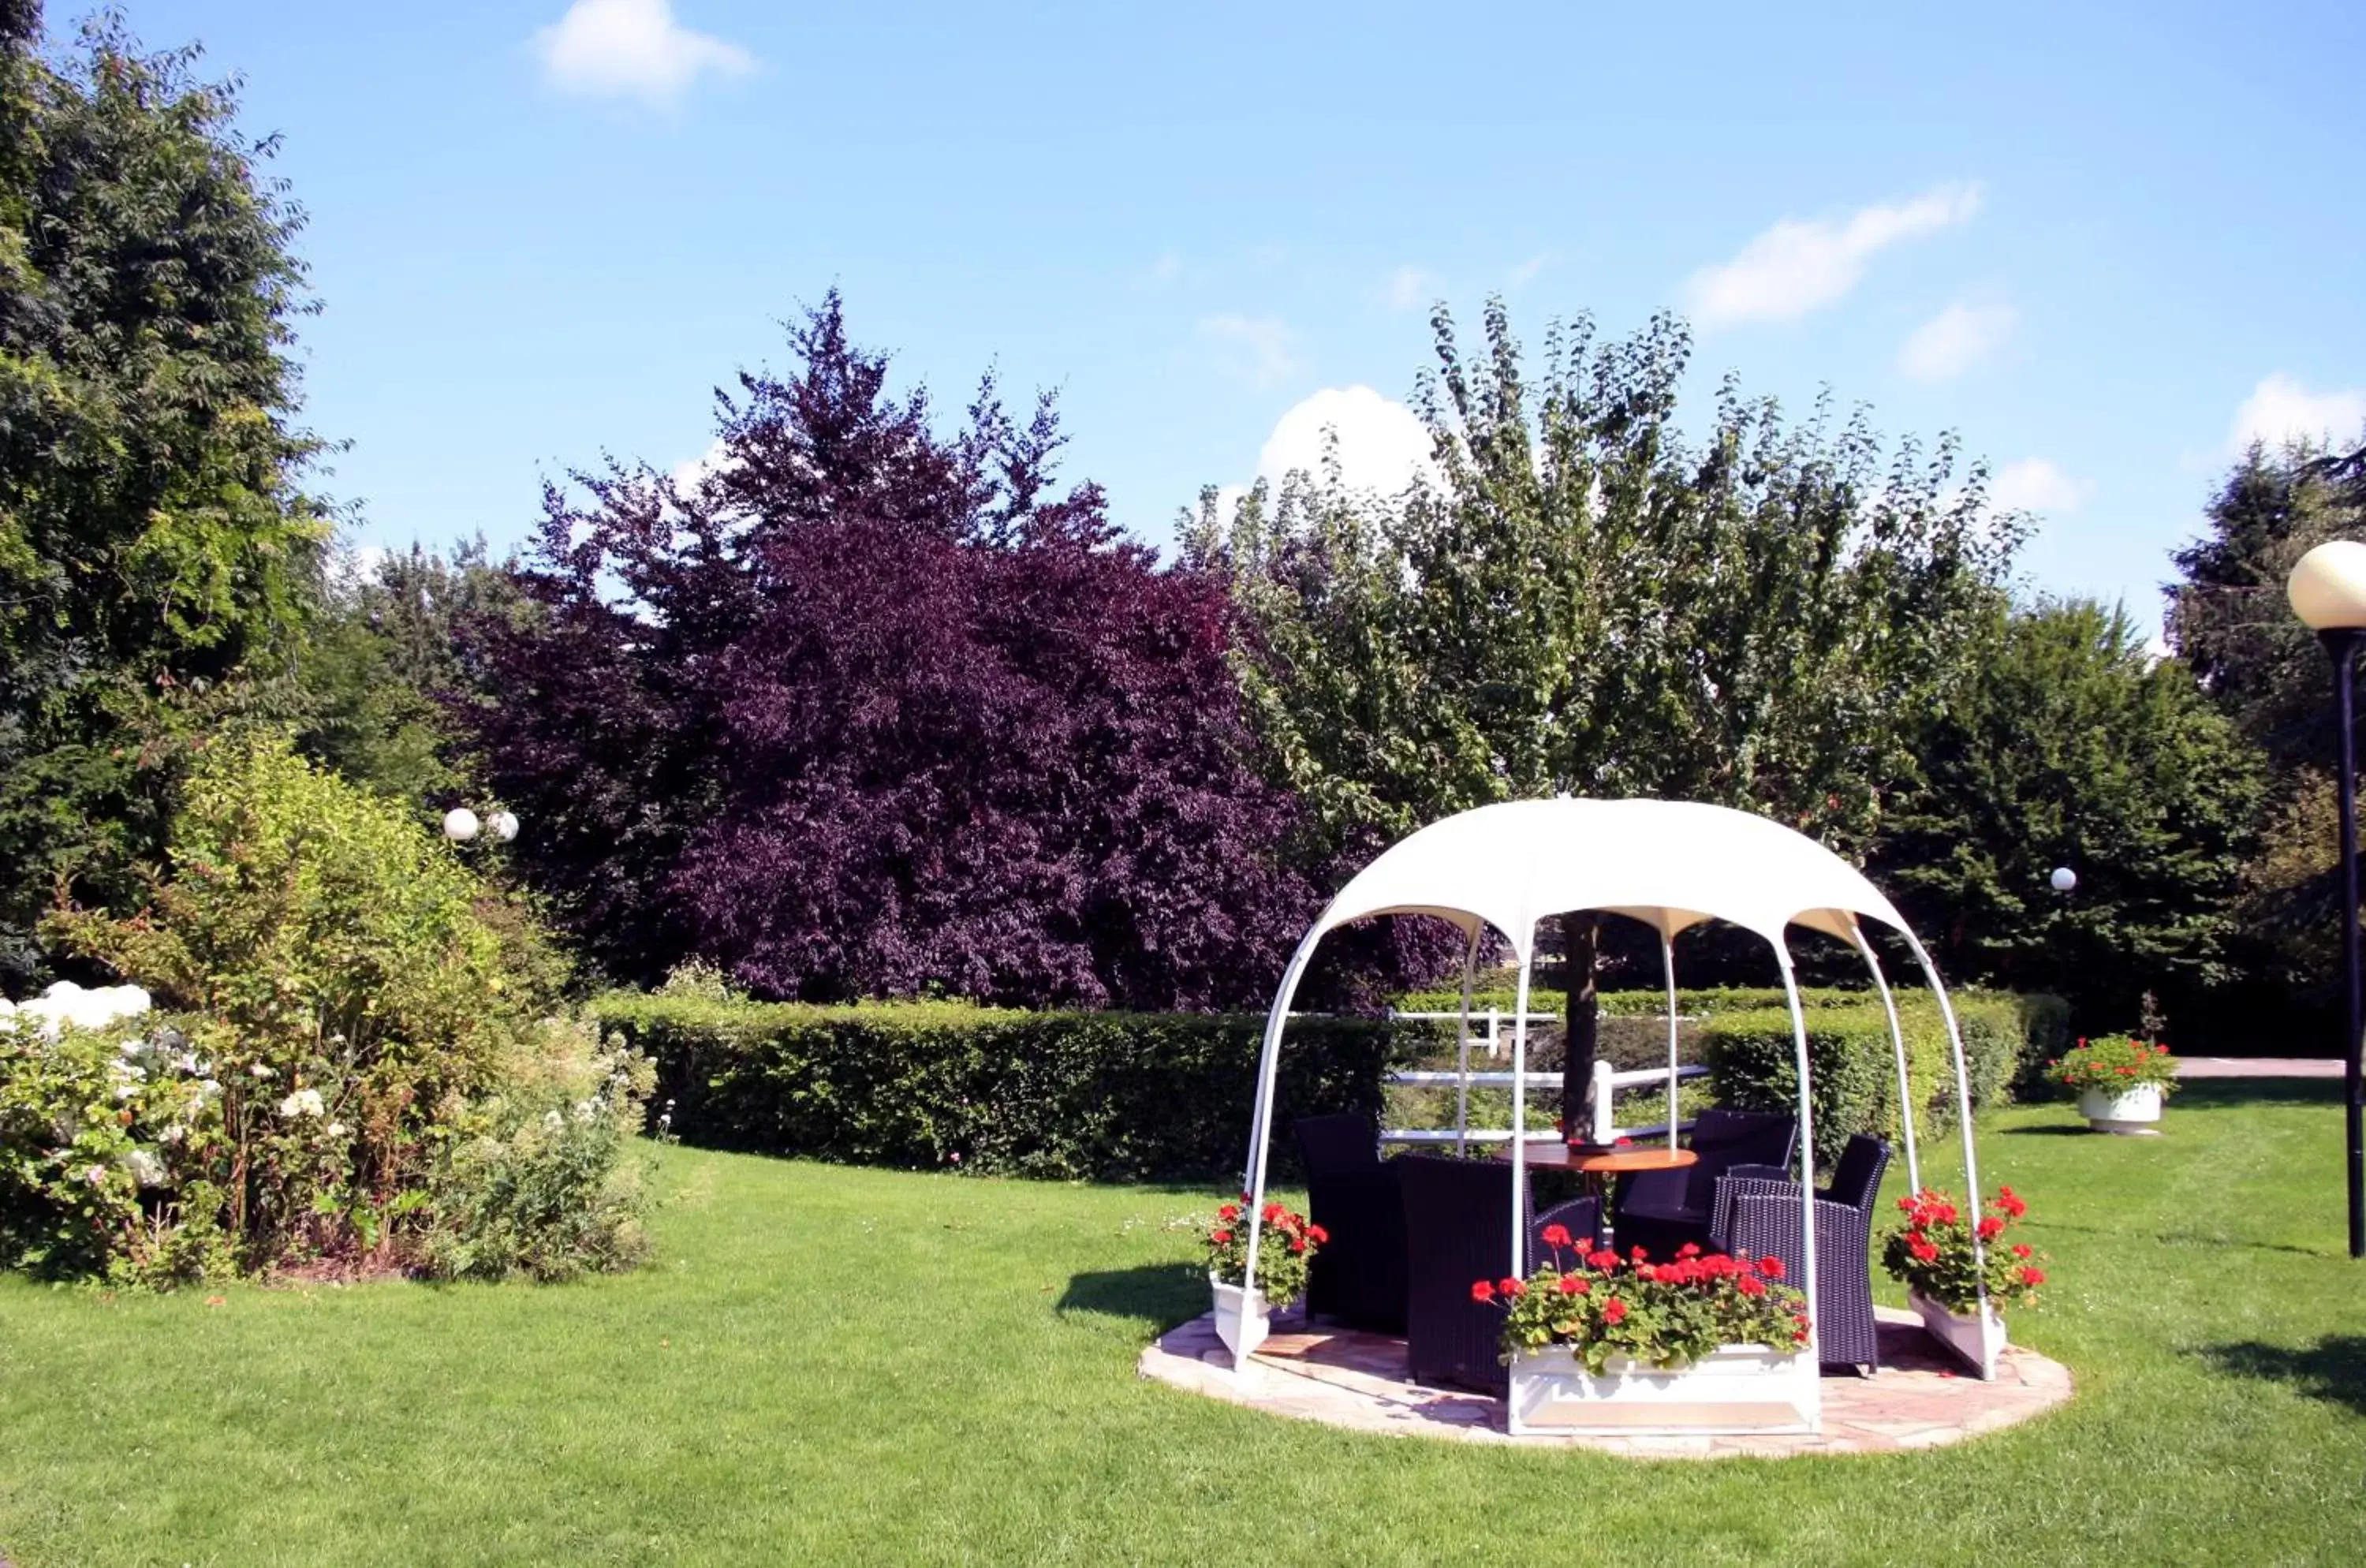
1242 1319
1975 1339
2130 1111
1738 1388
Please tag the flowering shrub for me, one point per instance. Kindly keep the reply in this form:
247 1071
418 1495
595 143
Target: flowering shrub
360 1016
1933 1252
1286 1246
2113 1063
1663 1314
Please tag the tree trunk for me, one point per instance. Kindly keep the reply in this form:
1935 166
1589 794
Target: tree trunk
1581 935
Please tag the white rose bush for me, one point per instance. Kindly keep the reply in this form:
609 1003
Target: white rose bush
360 1064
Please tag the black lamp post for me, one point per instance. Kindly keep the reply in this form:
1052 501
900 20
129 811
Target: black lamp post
2329 591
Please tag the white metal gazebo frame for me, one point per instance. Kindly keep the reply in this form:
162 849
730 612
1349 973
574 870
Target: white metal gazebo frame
1671 864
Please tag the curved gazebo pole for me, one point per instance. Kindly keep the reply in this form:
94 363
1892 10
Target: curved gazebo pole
1520 1105
1807 1159
1462 1046
1898 1041
1668 968
1261 1120
1963 1112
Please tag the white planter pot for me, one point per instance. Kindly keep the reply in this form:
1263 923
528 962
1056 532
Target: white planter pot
1975 1339
1740 1389
1242 1319
2128 1111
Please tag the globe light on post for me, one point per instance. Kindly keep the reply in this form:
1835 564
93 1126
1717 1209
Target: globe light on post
2064 879
461 824
504 825
2328 592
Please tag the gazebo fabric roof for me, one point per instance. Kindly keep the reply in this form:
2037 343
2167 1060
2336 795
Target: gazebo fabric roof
1669 863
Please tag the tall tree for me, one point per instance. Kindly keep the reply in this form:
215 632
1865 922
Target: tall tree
2070 746
1586 602
154 543
871 709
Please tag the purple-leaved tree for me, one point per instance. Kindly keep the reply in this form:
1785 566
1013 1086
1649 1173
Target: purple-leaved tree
870 710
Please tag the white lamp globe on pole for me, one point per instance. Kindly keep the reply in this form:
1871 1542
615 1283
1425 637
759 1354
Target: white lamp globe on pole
2064 879
504 825
2328 592
461 824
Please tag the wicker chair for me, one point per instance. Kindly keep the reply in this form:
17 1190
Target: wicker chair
1358 1276
1662 1210
1458 1229
1757 1216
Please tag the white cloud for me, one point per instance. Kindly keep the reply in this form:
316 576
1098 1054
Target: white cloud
1383 445
1797 267
1410 288
1526 272
1954 340
2280 409
632 49
692 472
2036 485
1260 350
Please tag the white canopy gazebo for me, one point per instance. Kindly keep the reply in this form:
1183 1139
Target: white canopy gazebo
1671 864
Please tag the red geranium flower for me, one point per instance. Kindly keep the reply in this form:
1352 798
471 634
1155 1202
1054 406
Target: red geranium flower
1571 1285
1228 1211
1602 1260
1771 1266
1750 1285
2021 1249
1220 1239
1510 1287
1481 1291
1689 1249
1317 1235
1556 1236
1614 1312
1272 1212
2032 1276
1991 1226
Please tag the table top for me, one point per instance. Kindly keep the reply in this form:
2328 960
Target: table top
1559 1155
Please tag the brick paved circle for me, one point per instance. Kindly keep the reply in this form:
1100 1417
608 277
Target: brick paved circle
1346 1378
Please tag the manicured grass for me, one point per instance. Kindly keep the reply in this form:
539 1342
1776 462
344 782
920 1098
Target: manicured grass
858 1366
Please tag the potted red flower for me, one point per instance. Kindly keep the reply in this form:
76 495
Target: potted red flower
2120 1082
1933 1257
1594 1330
1285 1246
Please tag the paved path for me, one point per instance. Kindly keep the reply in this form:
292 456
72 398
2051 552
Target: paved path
1345 1378
2257 1067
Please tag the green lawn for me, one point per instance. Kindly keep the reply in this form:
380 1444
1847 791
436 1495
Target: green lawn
847 1365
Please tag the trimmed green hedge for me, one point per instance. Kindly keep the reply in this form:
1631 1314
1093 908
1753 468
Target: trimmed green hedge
1854 1070
1636 1003
1099 1095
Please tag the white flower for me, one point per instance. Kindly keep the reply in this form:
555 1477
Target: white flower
146 1168
303 1102
587 1111
173 1134
131 1047
553 1119
259 1070
335 1128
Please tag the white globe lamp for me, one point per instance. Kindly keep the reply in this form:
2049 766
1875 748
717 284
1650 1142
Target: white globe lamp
461 824
504 825
2064 879
2329 587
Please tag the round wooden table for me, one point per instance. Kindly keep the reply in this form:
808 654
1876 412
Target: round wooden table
1598 1164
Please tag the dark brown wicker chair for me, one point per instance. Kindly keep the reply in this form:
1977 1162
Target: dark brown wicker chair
1358 1276
1757 1216
1458 1230
1661 1211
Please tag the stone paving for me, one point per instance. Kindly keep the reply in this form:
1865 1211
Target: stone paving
1347 1378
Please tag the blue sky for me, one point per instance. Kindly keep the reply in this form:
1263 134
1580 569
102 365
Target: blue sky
2099 241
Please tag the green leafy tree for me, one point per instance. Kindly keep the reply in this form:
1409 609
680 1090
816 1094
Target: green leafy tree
2229 622
1585 600
154 547
2072 747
